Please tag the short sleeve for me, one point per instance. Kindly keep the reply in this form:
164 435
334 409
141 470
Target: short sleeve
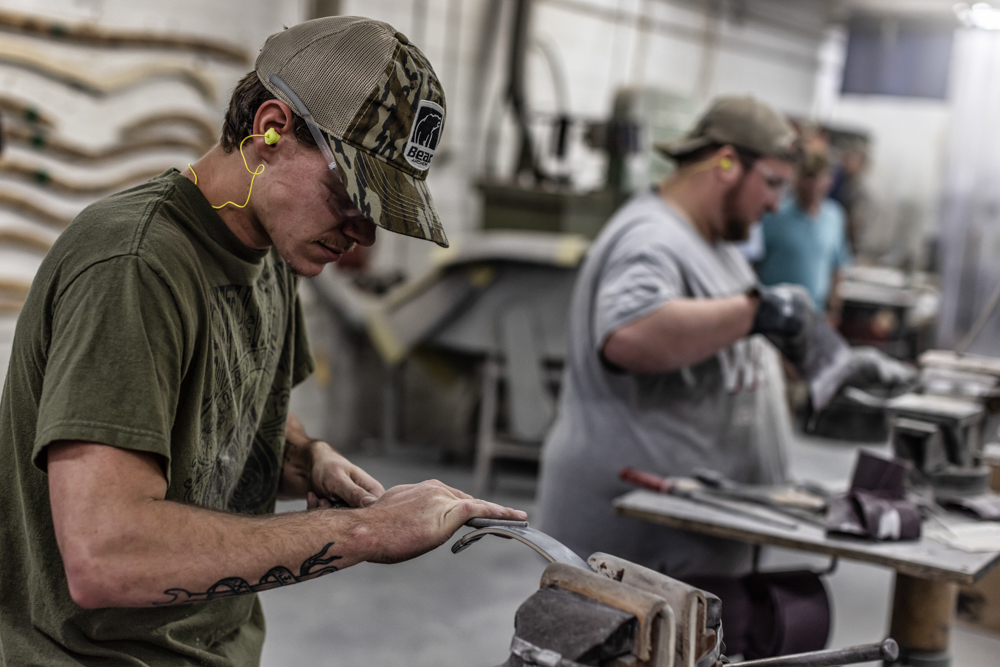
302 359
637 279
114 361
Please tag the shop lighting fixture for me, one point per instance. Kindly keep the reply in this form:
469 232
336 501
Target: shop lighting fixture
979 15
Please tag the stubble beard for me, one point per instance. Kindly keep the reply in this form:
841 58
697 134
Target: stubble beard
735 229
296 268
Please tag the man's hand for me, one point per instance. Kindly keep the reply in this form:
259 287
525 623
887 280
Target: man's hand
314 470
785 315
783 311
412 519
333 476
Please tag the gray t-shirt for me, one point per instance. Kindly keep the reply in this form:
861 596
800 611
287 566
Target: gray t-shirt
726 413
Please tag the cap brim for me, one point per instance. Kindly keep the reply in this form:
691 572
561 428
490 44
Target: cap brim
682 146
392 199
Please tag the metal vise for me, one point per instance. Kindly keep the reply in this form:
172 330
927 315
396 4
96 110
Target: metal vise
597 618
610 612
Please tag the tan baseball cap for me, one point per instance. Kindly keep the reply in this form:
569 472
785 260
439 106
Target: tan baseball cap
377 103
739 121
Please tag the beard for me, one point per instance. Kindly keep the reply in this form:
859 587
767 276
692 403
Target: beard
735 229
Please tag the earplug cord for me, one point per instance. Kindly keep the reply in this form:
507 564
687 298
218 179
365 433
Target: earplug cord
725 163
270 137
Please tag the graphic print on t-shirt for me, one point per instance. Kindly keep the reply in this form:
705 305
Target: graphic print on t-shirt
742 367
237 467
255 490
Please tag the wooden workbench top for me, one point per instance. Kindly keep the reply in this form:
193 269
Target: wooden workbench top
925 558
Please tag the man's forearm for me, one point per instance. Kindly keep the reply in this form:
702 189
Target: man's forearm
124 545
680 333
176 553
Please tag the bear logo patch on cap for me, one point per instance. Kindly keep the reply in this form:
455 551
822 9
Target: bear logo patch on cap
424 134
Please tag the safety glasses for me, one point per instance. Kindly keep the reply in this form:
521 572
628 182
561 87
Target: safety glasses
318 135
775 183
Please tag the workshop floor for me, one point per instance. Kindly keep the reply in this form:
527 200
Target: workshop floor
445 610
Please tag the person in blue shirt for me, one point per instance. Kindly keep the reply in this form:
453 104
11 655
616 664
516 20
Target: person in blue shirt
805 240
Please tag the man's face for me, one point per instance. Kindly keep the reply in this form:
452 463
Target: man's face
813 188
307 213
758 191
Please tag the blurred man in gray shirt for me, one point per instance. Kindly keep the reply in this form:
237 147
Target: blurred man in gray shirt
663 372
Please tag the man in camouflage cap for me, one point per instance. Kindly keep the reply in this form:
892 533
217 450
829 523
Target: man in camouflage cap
662 371
144 425
381 113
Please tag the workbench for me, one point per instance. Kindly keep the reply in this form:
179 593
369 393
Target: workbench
928 572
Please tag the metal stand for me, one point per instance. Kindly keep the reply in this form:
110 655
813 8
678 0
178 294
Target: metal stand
923 612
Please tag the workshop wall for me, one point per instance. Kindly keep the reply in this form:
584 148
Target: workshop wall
587 48
66 103
969 227
46 75
581 52
909 143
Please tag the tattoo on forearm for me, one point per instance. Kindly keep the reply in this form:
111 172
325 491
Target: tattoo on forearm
315 566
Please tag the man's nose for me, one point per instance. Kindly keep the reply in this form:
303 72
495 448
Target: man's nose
361 230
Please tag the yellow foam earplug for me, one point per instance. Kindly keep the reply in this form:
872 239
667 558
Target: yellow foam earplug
271 137
725 163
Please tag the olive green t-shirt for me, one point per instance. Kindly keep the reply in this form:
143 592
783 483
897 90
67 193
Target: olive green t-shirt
150 327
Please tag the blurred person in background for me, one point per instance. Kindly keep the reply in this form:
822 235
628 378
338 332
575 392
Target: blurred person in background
805 241
664 371
850 191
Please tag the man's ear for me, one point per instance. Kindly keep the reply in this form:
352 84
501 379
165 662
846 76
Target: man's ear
729 167
273 115
728 162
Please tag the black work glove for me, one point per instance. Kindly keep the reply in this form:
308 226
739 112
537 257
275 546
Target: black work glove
785 315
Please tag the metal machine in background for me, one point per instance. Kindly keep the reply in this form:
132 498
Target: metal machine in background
888 309
537 198
891 311
466 358
941 436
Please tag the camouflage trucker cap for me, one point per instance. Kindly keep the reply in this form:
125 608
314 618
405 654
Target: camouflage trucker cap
380 105
740 121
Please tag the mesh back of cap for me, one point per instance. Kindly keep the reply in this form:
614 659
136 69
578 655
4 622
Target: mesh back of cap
333 64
